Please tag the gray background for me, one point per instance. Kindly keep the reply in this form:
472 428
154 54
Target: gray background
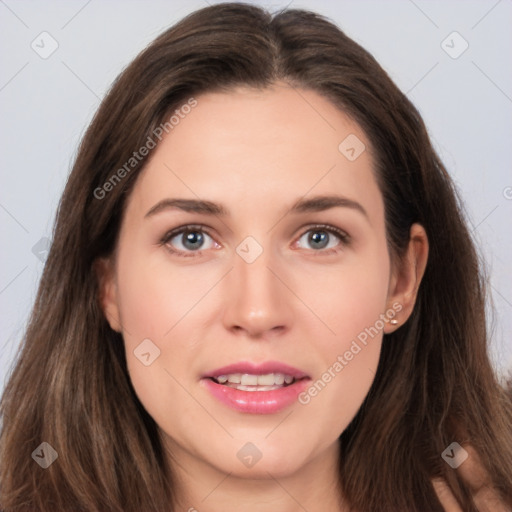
46 104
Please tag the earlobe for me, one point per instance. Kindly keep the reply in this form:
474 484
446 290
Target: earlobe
107 288
407 276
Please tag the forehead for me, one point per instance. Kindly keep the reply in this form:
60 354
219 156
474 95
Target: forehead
264 147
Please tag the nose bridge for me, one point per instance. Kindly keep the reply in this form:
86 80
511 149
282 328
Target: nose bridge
258 300
252 269
255 282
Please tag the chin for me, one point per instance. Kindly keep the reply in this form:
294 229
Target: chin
280 460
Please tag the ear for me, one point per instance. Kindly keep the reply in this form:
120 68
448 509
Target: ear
107 286
406 277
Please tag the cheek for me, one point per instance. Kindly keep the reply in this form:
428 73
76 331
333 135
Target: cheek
149 306
154 297
350 297
162 304
352 304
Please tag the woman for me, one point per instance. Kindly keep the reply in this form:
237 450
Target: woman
261 293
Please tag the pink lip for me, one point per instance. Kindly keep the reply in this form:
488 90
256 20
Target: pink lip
257 369
257 402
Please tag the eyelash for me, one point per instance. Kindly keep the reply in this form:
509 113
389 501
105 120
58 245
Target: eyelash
344 238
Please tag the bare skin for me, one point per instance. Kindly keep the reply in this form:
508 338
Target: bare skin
478 481
257 153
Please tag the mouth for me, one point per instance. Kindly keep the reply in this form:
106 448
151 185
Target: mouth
253 382
258 389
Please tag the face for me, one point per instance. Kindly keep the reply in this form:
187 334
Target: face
278 284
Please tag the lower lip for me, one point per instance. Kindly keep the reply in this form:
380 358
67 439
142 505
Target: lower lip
257 402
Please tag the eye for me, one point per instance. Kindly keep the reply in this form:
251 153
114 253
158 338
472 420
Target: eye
188 241
324 238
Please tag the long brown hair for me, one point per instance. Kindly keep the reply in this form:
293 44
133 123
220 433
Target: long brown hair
434 383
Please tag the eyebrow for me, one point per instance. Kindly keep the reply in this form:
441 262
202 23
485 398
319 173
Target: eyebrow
202 206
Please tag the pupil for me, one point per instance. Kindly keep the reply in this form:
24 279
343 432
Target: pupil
319 236
193 237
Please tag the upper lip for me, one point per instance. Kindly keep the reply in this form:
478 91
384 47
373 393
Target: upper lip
257 369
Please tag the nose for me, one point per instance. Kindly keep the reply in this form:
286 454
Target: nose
258 304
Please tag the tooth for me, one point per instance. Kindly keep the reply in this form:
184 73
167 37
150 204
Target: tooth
253 388
266 380
235 378
248 380
246 388
279 378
